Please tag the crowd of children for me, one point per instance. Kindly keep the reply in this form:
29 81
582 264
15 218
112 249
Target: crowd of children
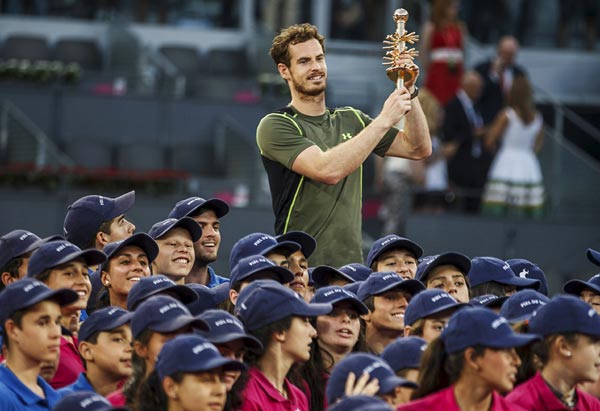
105 318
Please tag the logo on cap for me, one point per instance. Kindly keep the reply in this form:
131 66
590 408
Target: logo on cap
62 247
25 235
168 307
389 240
439 296
162 280
523 274
388 276
202 347
591 312
260 240
32 286
534 301
506 267
195 200
89 401
498 322
226 321
373 366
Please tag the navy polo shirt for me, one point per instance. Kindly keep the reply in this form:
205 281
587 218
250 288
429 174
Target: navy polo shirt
17 397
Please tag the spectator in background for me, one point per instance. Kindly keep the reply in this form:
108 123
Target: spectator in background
432 173
498 73
487 19
442 50
469 160
515 183
571 10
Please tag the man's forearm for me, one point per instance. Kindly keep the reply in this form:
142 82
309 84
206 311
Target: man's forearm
416 143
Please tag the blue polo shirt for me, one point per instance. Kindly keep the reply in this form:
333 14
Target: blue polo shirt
81 384
15 396
214 279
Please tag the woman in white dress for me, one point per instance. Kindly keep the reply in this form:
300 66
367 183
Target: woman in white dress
515 183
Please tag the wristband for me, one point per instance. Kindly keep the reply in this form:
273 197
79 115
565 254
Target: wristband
414 93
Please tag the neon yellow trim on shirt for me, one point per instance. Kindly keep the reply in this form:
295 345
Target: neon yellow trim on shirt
287 220
285 116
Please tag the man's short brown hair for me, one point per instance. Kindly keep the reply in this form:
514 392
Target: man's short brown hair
298 33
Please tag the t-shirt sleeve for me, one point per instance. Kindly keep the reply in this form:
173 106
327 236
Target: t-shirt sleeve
386 141
280 139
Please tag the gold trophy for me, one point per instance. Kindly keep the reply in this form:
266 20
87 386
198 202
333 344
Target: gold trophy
395 44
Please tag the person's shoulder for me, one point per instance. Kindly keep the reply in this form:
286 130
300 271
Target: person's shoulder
501 403
587 401
438 400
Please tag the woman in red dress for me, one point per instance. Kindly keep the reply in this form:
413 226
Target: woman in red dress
442 51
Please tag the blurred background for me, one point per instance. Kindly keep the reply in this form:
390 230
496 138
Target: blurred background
164 96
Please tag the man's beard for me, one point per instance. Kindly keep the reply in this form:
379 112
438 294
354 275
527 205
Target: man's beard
204 258
309 92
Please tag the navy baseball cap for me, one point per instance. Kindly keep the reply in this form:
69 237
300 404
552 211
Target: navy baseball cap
158 284
430 302
163 314
488 301
16 243
163 227
307 242
458 260
565 314
224 327
521 305
190 206
222 292
359 364
60 252
27 292
360 403
141 240
353 287
378 283
390 242
205 300
593 256
356 271
526 269
263 302
85 401
257 264
86 215
335 294
259 244
323 275
191 354
575 287
486 269
105 319
479 326
405 352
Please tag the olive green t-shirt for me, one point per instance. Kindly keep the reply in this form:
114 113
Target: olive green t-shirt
330 213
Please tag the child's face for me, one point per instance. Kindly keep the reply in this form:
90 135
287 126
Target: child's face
112 353
199 391
176 254
591 298
73 275
451 280
38 337
389 309
126 268
398 260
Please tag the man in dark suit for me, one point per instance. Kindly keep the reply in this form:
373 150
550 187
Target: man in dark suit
469 161
498 73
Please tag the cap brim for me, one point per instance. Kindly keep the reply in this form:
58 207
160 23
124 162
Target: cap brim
390 383
62 296
313 310
184 294
410 285
249 340
289 247
514 340
361 309
400 243
322 274
141 240
123 204
460 261
180 322
593 256
225 363
520 282
307 243
575 287
220 207
90 255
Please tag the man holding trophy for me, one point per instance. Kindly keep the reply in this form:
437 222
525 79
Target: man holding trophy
313 155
